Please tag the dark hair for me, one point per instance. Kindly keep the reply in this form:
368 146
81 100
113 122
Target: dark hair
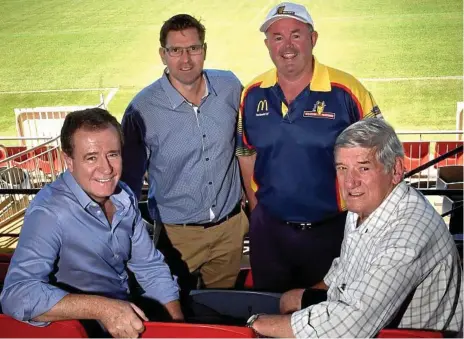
181 22
88 119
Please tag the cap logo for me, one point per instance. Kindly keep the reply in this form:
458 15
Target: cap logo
281 10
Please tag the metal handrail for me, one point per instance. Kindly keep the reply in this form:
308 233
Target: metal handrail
28 150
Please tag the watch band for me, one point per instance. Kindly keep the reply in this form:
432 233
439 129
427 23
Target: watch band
251 321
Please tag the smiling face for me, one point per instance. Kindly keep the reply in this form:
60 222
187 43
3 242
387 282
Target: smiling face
363 180
290 43
96 162
186 69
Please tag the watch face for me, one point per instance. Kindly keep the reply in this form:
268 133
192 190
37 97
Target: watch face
252 319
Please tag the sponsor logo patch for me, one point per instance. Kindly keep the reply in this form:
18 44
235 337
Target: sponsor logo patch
262 109
318 112
281 10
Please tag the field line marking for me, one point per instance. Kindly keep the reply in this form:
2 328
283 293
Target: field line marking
110 96
60 90
450 77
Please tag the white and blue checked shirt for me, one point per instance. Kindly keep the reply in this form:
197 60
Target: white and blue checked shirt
403 247
192 169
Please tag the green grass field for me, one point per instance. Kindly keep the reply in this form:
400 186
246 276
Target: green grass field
60 44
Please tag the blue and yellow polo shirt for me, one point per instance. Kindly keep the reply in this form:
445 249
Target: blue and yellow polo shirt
294 175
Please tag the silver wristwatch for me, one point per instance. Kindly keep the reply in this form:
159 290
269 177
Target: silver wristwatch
252 320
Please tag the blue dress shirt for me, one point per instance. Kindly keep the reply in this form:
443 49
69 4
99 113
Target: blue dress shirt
189 156
67 241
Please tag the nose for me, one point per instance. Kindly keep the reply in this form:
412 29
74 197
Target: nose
105 165
185 56
351 179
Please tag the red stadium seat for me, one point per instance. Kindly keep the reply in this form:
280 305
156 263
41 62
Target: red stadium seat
50 162
408 333
183 330
249 279
11 328
416 153
442 147
244 279
3 152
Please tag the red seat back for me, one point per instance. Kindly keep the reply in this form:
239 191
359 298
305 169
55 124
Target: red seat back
183 330
408 333
11 328
249 279
442 147
416 153
3 152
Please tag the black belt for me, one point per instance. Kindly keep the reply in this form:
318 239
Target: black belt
308 225
232 214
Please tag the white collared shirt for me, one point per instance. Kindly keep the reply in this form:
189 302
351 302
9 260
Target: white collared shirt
404 244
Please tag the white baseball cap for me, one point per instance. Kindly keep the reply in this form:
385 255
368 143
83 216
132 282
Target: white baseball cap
287 10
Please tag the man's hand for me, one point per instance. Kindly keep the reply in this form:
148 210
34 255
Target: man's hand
291 301
123 319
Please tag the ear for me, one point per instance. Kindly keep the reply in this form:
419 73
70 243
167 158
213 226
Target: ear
398 170
162 53
266 42
69 162
314 37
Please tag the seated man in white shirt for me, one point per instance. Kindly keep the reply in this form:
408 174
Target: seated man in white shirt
398 263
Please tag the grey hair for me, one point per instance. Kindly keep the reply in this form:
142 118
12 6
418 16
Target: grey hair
376 134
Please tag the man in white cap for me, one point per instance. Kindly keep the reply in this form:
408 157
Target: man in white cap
289 119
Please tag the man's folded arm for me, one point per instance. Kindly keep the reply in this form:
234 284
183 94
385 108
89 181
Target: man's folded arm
27 292
380 291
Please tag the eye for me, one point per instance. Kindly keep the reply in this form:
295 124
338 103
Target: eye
175 49
113 155
277 38
340 168
296 35
193 48
364 169
91 158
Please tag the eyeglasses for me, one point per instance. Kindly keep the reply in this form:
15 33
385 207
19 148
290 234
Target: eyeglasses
178 51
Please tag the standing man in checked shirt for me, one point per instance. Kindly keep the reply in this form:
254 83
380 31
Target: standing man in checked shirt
289 119
398 267
181 130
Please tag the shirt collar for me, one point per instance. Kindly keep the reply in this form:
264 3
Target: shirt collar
175 98
120 198
319 83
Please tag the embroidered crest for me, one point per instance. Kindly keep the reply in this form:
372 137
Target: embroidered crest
318 111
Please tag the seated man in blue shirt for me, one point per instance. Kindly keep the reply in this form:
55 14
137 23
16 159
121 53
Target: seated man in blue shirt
81 236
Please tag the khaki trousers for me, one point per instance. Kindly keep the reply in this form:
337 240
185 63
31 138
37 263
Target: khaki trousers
216 251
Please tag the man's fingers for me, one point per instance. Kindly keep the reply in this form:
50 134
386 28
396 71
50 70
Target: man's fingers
139 312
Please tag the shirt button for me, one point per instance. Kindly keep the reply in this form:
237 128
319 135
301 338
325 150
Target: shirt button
207 159
204 135
214 205
210 183
116 256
